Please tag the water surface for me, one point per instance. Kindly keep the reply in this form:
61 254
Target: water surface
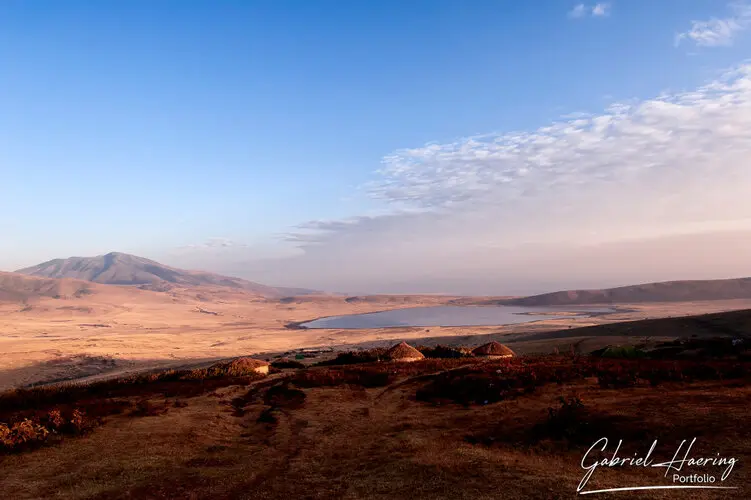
453 316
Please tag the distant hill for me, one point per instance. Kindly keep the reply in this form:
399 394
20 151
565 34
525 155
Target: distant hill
668 291
19 288
732 324
123 269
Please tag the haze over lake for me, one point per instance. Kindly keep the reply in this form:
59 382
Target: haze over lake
452 316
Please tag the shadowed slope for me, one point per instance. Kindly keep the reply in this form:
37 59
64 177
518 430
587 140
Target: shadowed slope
19 288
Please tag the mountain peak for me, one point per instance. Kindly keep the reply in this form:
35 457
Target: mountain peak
117 268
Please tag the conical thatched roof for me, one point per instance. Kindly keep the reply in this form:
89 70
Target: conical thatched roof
241 366
403 351
493 349
246 362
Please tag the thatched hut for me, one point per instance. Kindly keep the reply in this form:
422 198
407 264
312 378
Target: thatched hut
242 366
404 352
493 350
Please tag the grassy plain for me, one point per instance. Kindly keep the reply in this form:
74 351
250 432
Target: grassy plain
112 329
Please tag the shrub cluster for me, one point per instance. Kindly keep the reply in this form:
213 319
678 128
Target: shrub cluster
356 357
284 396
287 363
480 385
568 421
491 382
32 415
278 398
28 433
184 383
445 352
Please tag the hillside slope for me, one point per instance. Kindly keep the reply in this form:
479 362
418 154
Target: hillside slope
122 269
19 288
669 291
439 429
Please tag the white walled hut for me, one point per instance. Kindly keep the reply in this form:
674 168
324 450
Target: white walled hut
404 352
493 350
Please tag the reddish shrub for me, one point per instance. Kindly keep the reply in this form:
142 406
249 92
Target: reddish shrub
55 420
21 435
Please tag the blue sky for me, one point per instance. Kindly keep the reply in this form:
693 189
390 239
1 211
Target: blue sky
205 133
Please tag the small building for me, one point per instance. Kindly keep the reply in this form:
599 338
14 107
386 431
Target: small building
493 350
243 366
404 352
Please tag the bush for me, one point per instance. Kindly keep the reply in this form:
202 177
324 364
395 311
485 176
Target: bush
74 409
355 357
79 424
282 396
287 363
55 420
98 398
267 416
445 352
568 420
491 382
21 434
476 386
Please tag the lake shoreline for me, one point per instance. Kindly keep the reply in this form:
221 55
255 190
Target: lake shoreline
544 315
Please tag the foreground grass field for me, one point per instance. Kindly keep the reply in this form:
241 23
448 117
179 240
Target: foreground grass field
438 428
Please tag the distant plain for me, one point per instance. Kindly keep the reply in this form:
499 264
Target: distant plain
114 329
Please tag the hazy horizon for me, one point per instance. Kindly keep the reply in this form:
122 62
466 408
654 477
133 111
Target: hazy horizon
610 260
494 149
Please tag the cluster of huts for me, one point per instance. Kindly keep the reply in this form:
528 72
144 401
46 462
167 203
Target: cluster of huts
491 350
401 352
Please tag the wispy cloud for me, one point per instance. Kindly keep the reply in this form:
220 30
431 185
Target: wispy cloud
579 10
601 9
718 32
652 137
597 10
504 204
215 242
